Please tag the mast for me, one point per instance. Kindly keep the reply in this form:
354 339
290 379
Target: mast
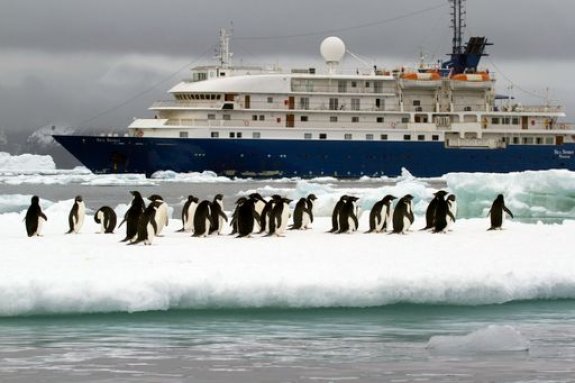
224 55
458 25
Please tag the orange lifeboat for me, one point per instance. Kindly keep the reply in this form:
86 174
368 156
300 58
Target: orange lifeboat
426 76
473 77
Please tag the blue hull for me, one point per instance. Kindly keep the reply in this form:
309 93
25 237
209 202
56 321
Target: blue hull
306 158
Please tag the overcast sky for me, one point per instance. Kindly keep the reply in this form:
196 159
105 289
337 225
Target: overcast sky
68 62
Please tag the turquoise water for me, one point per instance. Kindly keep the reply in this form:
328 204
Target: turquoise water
367 345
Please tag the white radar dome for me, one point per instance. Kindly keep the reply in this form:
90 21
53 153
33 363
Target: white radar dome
332 49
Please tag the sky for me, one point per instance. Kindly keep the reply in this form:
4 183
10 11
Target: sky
98 64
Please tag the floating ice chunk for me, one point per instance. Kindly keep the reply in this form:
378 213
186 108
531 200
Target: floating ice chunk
25 163
494 338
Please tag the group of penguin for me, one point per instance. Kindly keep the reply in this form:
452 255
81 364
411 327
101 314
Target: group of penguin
254 214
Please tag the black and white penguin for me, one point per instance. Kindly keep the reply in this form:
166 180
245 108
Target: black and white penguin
303 213
259 205
132 216
403 215
234 222
335 214
147 225
218 215
188 212
266 223
348 216
106 217
279 217
203 219
430 212
380 215
246 217
442 213
452 206
35 218
162 217
76 216
496 213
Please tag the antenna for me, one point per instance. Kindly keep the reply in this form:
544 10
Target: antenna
458 24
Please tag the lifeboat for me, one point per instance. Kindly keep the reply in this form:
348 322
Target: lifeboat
420 80
479 80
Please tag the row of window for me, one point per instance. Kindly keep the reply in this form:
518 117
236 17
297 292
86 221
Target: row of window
505 120
323 136
189 96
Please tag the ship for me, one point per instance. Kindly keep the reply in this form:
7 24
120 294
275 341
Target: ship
261 122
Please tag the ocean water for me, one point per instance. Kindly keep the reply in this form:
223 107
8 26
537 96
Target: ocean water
383 344
528 339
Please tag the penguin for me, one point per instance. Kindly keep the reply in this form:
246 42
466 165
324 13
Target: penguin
133 215
35 218
335 214
203 220
76 216
403 215
348 216
442 213
496 213
188 213
259 205
279 217
303 213
247 216
147 224
106 217
234 222
266 224
161 216
218 215
430 212
452 206
380 215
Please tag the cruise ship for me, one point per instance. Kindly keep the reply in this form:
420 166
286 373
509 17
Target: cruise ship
249 121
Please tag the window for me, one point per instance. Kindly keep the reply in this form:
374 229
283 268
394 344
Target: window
307 136
355 119
418 109
435 137
467 109
383 137
304 103
404 120
369 136
228 106
256 135
538 140
211 116
232 135
549 141
254 117
332 118
239 134
416 103
516 140
322 136
354 84
528 140
505 120
270 100
262 117
347 136
495 121
304 119
183 134
420 137
355 104
215 135
367 84
380 103
333 104
406 137
515 121
227 117
379 119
